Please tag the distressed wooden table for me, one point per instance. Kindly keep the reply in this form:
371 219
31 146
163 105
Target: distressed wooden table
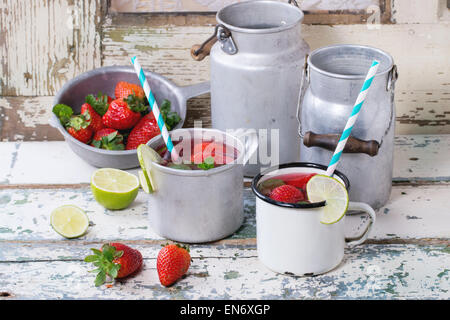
406 256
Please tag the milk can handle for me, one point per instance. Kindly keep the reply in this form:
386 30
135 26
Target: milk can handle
330 141
304 81
221 34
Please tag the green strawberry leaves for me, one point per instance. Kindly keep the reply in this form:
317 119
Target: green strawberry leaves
99 104
104 261
136 104
207 164
63 112
113 141
171 118
78 122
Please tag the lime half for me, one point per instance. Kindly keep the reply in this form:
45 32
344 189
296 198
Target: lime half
69 221
146 156
113 188
321 187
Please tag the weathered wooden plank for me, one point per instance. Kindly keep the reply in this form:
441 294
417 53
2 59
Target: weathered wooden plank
202 5
417 157
422 94
422 158
367 272
26 118
412 213
26 216
316 12
47 43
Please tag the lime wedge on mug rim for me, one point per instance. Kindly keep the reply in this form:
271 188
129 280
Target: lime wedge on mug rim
321 187
144 182
69 221
146 156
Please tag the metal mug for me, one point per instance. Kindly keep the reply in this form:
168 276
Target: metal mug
196 206
290 237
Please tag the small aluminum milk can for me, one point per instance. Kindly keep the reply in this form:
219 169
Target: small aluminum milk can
333 77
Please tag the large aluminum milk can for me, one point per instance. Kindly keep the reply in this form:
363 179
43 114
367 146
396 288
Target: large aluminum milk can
333 78
257 57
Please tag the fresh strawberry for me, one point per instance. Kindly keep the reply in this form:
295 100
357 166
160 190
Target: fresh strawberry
124 89
100 103
115 260
78 127
298 180
146 129
95 121
109 139
172 263
287 193
124 114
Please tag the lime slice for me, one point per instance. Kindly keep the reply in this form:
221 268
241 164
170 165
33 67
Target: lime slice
113 188
146 156
321 187
69 221
144 182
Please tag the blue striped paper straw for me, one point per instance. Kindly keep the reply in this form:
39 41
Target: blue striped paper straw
154 107
352 119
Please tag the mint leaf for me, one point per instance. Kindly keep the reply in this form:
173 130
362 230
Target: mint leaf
171 118
180 166
63 112
207 164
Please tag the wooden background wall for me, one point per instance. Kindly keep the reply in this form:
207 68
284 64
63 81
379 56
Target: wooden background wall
43 43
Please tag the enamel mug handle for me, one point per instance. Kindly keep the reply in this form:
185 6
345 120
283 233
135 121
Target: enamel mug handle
365 208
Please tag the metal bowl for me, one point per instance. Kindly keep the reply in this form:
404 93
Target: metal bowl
104 79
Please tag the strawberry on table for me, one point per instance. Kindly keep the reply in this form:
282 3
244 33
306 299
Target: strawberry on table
124 89
95 120
172 263
115 260
287 193
100 103
109 139
125 113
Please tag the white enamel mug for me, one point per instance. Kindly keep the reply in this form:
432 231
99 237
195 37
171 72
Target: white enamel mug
290 237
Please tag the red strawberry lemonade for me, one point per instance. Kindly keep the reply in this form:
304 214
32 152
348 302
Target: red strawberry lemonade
203 155
289 188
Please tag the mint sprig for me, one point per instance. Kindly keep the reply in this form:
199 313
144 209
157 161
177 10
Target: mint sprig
63 112
171 118
207 164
